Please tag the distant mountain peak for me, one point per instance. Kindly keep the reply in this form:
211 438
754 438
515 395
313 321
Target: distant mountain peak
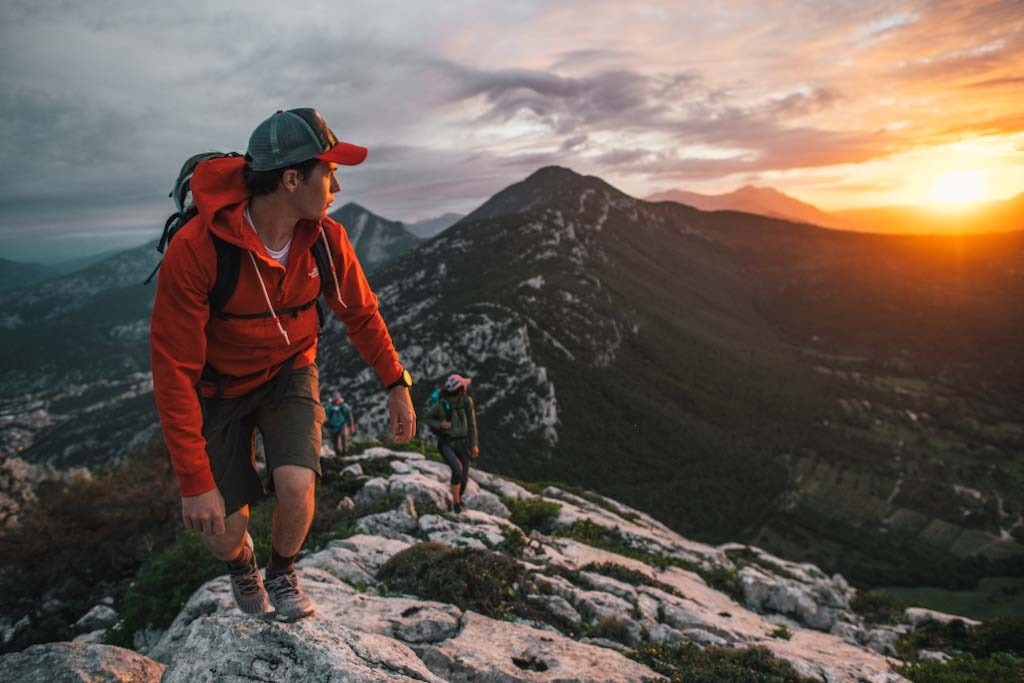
376 239
766 201
545 186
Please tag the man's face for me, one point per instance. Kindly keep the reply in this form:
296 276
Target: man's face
315 194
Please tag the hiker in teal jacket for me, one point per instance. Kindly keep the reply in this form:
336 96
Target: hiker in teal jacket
340 423
453 420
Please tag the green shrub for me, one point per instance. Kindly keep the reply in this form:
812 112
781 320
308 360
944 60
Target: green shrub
999 668
533 514
721 579
934 635
782 632
514 542
377 467
612 629
689 663
879 608
472 579
163 586
82 541
1000 634
606 538
598 500
611 539
630 576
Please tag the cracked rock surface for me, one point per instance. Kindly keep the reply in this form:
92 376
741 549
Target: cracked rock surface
581 609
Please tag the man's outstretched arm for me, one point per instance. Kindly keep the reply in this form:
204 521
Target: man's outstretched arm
177 355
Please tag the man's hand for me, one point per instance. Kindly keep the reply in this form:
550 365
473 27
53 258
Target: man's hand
204 513
446 424
476 452
403 417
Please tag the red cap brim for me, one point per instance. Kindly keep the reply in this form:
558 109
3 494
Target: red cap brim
345 153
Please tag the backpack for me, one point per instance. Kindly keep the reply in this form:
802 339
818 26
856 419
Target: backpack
229 256
432 400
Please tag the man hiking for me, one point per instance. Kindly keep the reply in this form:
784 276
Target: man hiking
453 419
340 423
221 373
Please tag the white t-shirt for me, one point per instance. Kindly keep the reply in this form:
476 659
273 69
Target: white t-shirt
279 255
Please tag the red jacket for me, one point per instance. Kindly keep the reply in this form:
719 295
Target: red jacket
250 352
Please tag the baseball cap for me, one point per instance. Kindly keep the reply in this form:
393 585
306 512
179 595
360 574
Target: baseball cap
454 382
297 135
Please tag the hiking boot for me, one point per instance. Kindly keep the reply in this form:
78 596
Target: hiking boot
285 595
247 585
457 508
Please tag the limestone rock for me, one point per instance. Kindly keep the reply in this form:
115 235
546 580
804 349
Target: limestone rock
817 605
499 486
559 608
373 551
488 650
487 502
55 662
228 647
99 617
411 621
353 471
427 492
372 491
919 615
95 637
395 524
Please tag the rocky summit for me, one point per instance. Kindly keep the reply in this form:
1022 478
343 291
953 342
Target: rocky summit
595 583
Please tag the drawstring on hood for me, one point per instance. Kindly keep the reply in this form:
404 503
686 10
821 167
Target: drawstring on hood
266 296
334 273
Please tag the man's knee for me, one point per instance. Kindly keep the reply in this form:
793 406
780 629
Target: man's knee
294 483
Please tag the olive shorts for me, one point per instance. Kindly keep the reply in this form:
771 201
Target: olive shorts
291 430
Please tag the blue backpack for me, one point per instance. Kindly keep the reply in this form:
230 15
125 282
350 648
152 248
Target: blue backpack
432 400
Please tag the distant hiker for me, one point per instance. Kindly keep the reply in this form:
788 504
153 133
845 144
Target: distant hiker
340 423
222 371
453 420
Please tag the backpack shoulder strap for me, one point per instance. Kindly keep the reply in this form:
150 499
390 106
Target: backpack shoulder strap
229 259
323 267
323 263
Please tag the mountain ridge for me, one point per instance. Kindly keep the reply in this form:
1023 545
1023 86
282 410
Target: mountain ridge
729 372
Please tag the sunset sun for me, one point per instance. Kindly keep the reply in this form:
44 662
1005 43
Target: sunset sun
959 187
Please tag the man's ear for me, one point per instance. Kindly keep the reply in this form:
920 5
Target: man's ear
291 179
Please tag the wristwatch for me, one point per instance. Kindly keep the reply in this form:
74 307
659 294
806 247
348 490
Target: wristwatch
404 380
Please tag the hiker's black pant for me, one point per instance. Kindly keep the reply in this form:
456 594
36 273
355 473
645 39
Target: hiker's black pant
339 441
456 454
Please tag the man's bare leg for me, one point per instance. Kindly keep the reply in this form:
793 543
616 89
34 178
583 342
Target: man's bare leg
295 489
293 513
228 545
235 548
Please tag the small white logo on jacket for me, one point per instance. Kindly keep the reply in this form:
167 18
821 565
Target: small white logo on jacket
314 273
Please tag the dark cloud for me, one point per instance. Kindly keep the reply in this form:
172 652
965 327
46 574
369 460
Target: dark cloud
100 102
564 104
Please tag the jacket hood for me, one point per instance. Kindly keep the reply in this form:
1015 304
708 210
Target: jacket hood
220 195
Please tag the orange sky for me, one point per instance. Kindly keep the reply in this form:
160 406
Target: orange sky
841 104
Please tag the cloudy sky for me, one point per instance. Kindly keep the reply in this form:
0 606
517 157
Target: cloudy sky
842 104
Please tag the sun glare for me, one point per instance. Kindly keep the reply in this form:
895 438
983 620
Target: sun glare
959 187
